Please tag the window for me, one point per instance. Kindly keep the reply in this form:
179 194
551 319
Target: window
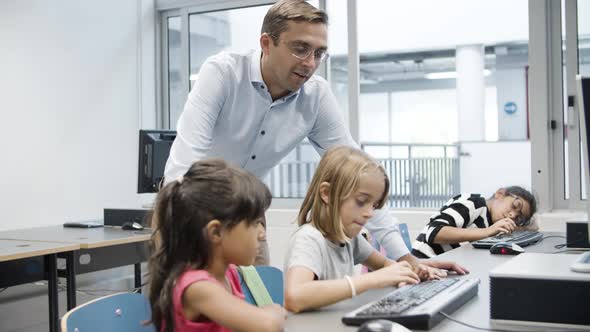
174 89
413 102
435 84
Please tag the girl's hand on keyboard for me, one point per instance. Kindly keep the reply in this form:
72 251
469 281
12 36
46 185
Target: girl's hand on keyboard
395 274
431 273
445 266
505 226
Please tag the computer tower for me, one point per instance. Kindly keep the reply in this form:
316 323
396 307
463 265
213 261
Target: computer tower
540 289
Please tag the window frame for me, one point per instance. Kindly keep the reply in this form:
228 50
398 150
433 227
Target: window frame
545 86
546 99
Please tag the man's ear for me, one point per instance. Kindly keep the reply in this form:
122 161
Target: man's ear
265 41
325 192
214 228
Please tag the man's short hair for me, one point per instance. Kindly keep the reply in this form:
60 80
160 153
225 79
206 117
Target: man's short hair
275 20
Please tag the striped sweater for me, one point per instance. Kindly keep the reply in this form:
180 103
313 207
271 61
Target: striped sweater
466 210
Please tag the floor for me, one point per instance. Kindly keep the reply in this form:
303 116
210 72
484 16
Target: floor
24 308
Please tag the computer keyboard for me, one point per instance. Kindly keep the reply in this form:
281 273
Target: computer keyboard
522 238
417 306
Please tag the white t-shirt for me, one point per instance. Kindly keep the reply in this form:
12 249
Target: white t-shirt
308 248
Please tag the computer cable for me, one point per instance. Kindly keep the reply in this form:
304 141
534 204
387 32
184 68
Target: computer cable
453 319
559 246
550 236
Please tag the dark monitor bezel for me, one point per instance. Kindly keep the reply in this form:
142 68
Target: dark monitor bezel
149 183
583 93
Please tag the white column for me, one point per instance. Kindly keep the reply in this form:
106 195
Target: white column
470 92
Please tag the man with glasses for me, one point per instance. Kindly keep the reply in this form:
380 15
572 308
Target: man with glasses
253 109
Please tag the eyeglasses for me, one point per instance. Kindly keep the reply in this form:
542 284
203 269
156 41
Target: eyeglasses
517 205
302 51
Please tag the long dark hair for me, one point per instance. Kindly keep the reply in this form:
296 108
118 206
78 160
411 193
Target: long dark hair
210 189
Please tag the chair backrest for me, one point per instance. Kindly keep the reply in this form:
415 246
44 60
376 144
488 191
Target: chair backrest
273 281
118 312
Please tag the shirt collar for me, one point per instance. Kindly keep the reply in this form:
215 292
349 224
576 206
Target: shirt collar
255 69
256 73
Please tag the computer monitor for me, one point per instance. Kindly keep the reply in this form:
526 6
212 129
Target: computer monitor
583 105
154 148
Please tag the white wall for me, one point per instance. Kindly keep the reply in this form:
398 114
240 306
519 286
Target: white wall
77 82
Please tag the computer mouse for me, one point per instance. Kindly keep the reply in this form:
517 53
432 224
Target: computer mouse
382 325
505 248
132 226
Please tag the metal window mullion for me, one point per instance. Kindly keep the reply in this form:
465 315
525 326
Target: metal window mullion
555 102
544 49
323 68
555 94
571 65
353 70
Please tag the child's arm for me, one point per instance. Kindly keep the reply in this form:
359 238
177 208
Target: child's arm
456 235
451 224
302 292
448 234
216 303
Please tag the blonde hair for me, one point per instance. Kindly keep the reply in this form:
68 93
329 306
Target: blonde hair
342 168
276 19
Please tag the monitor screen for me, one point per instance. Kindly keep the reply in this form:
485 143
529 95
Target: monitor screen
584 111
583 101
154 148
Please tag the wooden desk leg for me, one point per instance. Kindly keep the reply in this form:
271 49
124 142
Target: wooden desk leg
51 261
71 280
137 267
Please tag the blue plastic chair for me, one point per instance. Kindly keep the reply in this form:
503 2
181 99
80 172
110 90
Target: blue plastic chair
273 281
116 313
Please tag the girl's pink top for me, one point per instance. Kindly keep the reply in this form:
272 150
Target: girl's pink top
187 278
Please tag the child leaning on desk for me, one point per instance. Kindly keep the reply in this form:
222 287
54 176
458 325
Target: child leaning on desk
345 190
204 224
470 217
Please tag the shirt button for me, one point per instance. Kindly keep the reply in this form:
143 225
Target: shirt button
262 87
262 132
253 157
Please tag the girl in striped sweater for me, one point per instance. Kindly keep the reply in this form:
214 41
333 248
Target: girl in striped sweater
471 217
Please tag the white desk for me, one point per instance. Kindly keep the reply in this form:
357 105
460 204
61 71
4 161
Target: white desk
477 311
18 256
98 249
